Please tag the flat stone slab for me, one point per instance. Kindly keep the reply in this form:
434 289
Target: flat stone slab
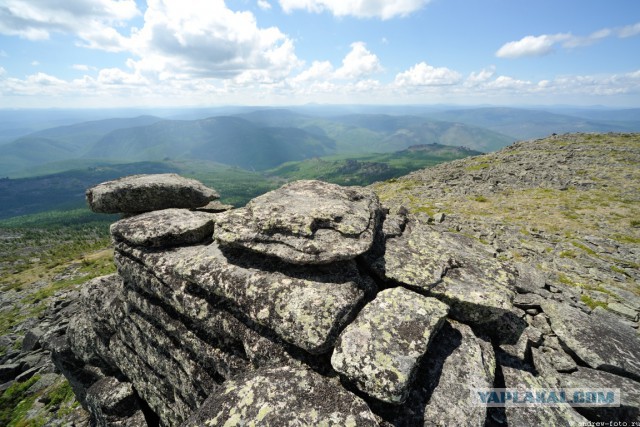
380 351
305 306
450 266
144 193
457 360
536 415
283 396
167 227
304 222
600 340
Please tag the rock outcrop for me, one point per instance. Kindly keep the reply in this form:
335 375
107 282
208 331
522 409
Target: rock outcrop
316 305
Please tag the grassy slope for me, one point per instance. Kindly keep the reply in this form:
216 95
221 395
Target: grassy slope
551 225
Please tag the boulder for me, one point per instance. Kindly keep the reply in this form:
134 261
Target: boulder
144 193
515 377
598 339
305 306
164 228
283 396
112 403
592 379
449 266
304 222
381 350
457 361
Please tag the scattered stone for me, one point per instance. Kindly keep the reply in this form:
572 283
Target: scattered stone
439 217
31 340
380 351
304 222
9 371
164 228
144 193
283 396
112 402
598 339
624 311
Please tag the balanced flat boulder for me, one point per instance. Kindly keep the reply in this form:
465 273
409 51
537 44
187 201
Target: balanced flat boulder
380 351
600 340
283 396
304 222
449 266
144 193
163 228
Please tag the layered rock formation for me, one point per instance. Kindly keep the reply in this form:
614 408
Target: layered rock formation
316 305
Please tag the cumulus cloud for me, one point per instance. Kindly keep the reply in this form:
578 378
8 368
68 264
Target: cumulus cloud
207 39
545 43
37 19
423 74
358 63
480 76
359 8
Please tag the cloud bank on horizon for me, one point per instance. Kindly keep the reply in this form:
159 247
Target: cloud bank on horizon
97 53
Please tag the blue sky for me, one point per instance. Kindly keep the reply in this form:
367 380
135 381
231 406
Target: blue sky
113 53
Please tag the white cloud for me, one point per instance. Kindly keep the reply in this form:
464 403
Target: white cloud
359 8
37 19
319 70
359 62
481 76
80 67
35 63
545 43
423 74
531 46
206 39
264 4
629 30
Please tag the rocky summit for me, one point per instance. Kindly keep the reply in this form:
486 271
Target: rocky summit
324 305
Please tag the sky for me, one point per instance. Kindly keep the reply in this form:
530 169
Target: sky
172 53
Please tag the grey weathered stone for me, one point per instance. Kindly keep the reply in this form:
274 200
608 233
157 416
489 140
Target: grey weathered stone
449 266
31 340
164 228
598 339
304 222
305 306
144 193
536 415
624 311
457 361
214 206
555 356
112 402
380 351
283 396
592 379
530 337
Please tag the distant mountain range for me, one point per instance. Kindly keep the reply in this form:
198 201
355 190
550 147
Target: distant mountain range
265 138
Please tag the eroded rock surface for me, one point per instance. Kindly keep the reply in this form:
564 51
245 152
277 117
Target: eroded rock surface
305 222
167 227
380 351
283 396
144 193
448 266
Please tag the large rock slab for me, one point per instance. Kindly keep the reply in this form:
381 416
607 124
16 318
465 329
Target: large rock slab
457 361
449 266
164 228
283 396
144 193
304 222
593 379
305 306
536 415
600 340
381 350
